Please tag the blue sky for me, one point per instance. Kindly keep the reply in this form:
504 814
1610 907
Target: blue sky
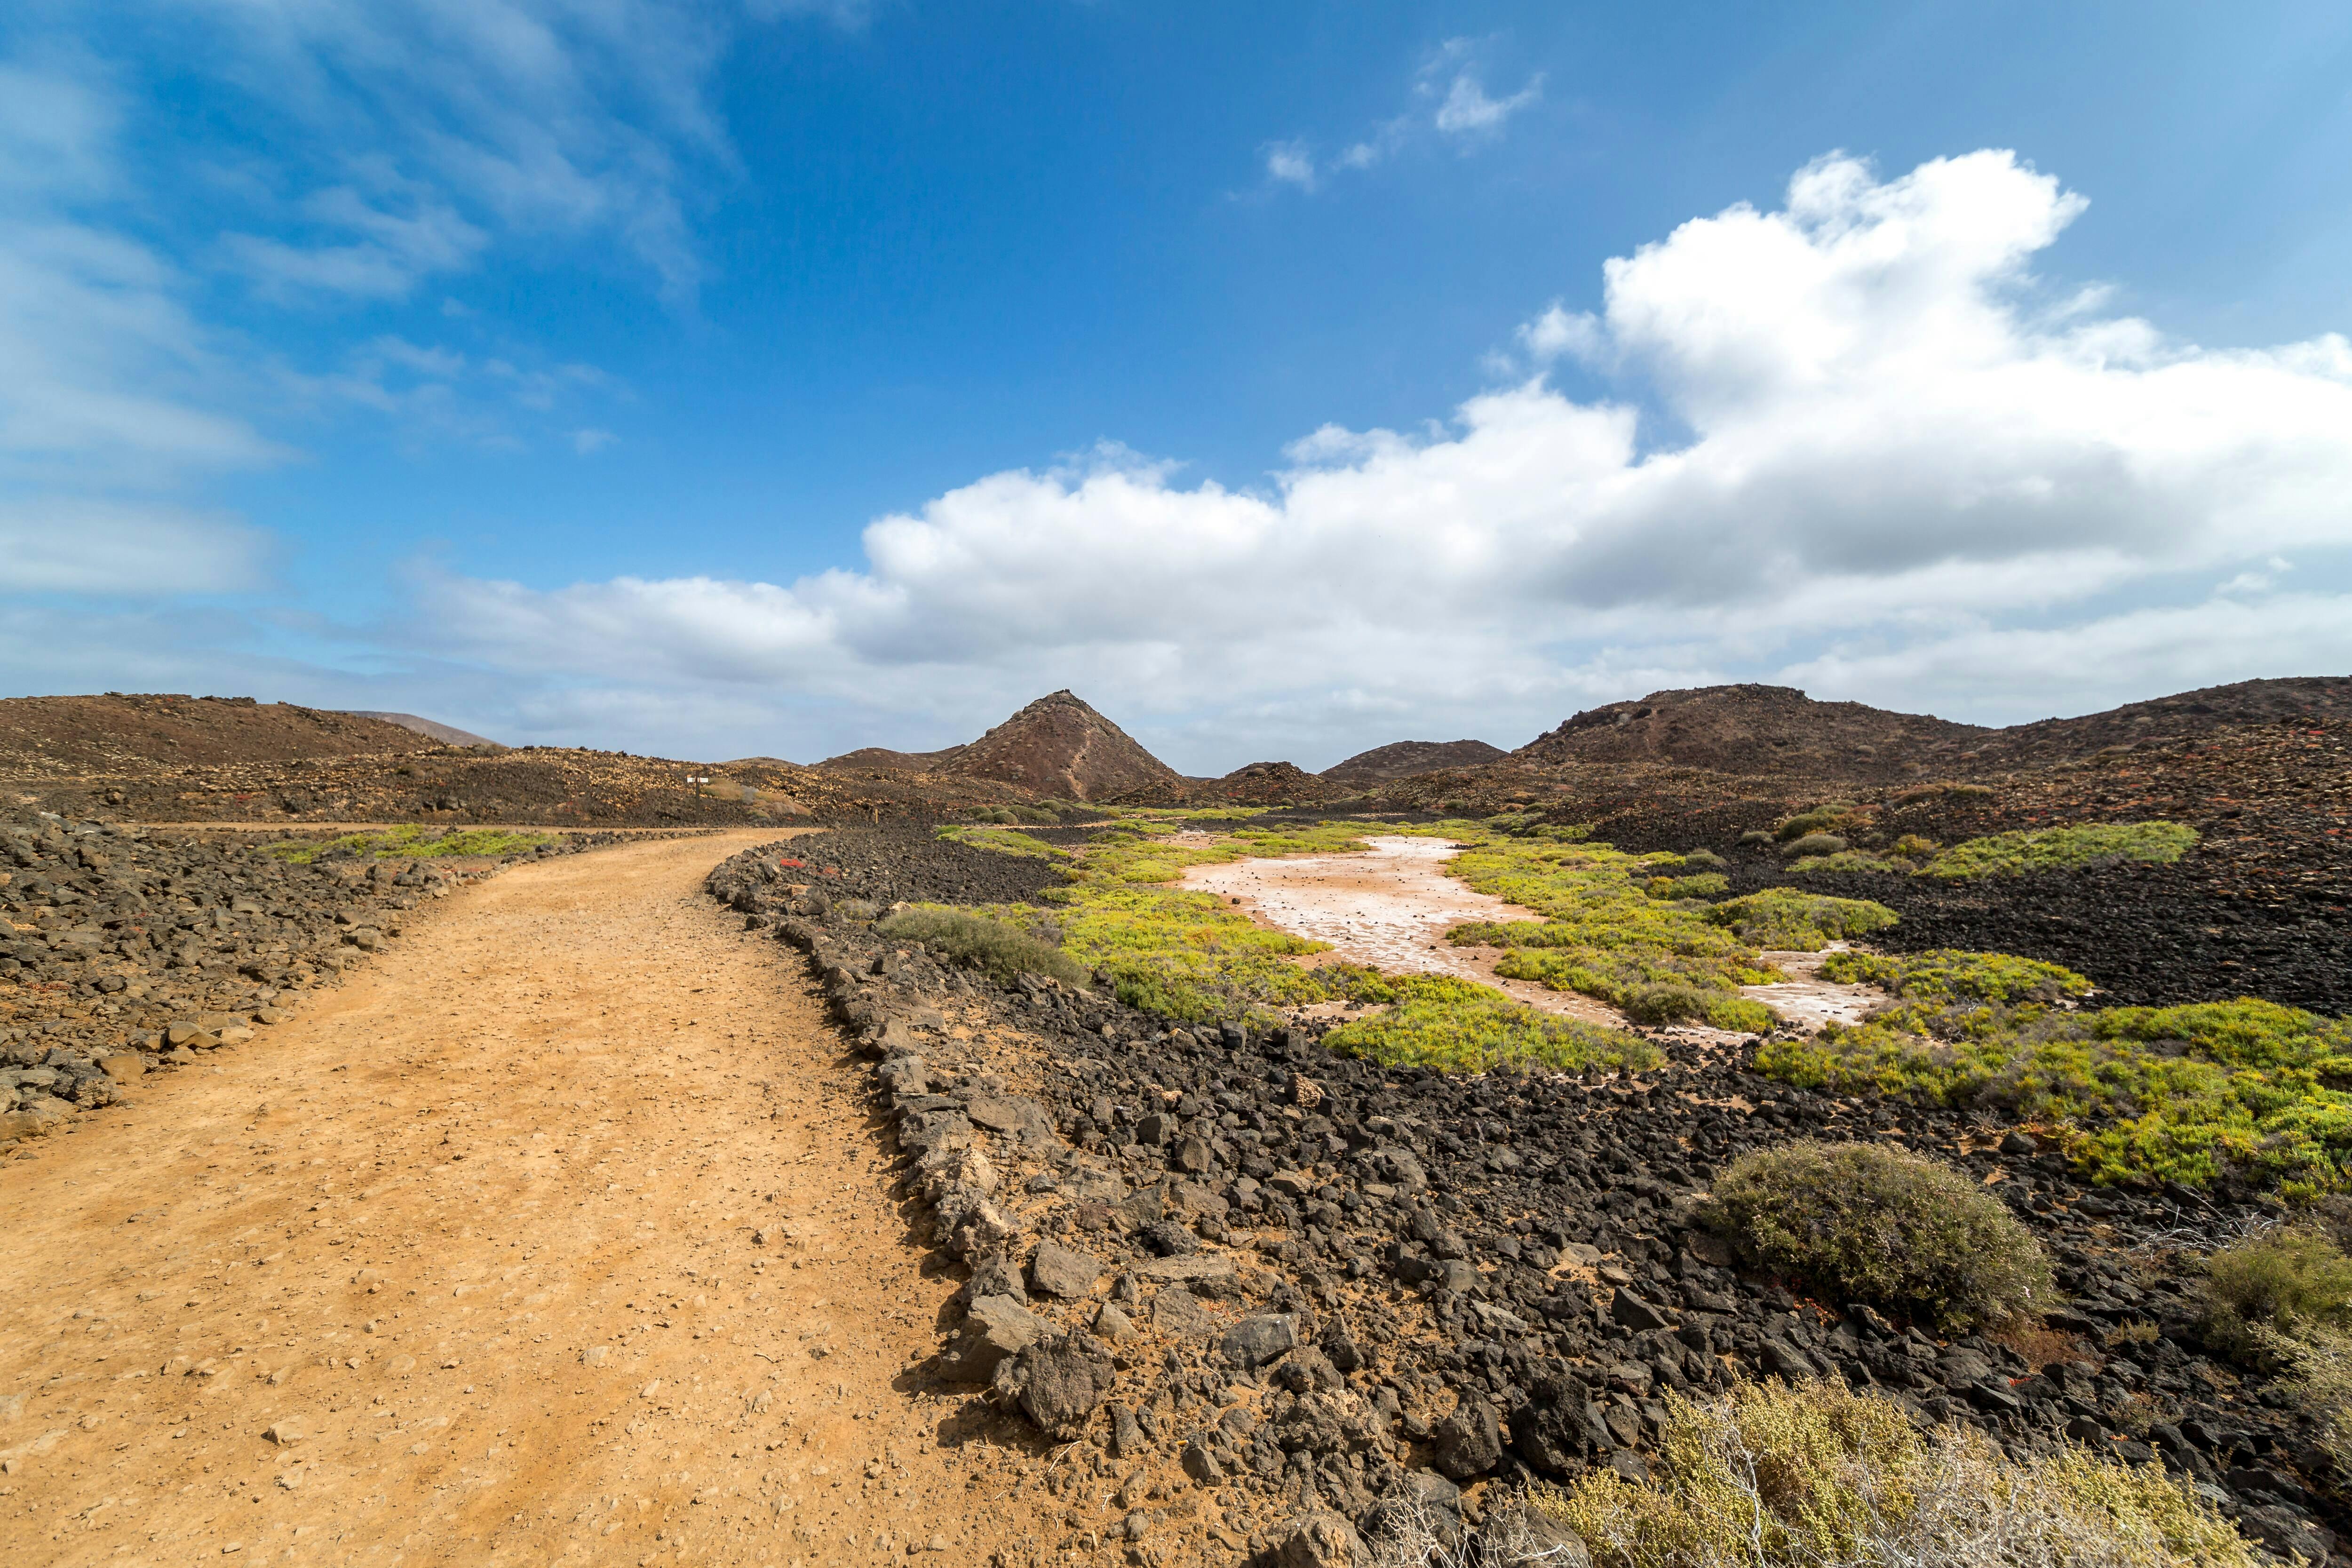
776 378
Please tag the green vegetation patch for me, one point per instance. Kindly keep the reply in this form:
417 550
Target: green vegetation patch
1003 949
410 841
1704 885
1790 920
1658 959
2183 1093
1862 1222
1436 1020
1005 841
1191 955
1950 974
2287 1282
1814 1475
2063 849
1853 860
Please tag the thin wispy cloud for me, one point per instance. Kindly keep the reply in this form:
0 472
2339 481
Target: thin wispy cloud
1449 104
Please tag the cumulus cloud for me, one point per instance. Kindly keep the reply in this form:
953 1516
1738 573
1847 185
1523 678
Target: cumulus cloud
1873 438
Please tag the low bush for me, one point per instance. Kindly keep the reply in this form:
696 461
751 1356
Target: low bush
1673 1002
1949 975
1863 1222
2063 850
1816 1476
2319 1362
1005 841
1790 920
1913 847
2183 1093
1706 860
1436 1020
2288 1282
1819 819
1853 860
1704 885
998 949
1814 844
1756 838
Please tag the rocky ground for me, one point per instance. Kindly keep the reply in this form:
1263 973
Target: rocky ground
124 952
1234 1267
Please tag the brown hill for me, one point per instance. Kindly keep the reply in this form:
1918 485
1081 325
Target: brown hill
1756 729
2178 717
448 734
59 737
1778 729
1060 746
892 762
1403 759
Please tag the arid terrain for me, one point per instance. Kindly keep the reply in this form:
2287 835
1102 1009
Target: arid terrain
1020 1153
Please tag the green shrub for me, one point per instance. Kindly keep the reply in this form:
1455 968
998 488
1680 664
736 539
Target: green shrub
2183 1093
1790 920
1756 838
1678 1002
998 949
2063 849
2286 1282
1817 820
1864 1222
1912 846
1705 859
1815 1475
1852 861
1814 844
1705 885
1946 974
1436 1020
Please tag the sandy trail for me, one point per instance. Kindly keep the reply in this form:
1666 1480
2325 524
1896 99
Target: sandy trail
1391 906
474 1234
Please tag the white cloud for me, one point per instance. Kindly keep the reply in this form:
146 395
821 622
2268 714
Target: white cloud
53 544
589 440
392 255
1468 111
1290 163
1893 461
1462 114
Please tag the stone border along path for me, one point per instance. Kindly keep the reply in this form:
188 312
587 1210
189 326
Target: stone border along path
560 1239
1390 908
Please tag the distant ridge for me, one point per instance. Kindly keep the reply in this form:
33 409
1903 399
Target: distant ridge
1765 730
894 761
448 734
1403 759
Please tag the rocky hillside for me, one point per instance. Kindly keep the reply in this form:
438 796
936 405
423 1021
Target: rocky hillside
1060 746
66 737
1762 731
1756 729
1403 759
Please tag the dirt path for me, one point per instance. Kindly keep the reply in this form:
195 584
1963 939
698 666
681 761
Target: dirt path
479 1237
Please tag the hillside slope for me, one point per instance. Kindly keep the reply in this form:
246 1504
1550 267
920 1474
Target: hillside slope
1403 759
59 737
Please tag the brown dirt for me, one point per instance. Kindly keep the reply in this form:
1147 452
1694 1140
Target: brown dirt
482 1227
